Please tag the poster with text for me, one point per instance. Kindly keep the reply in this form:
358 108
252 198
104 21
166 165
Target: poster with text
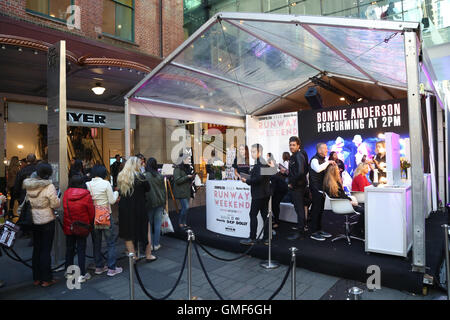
272 132
227 208
352 131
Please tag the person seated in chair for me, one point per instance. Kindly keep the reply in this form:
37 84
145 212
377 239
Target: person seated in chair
359 177
332 186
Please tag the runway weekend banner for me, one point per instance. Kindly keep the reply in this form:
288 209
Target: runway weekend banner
352 131
227 208
272 132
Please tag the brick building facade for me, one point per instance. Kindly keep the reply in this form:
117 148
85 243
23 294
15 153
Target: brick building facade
146 23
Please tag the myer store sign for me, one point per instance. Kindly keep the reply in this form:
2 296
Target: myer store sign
31 113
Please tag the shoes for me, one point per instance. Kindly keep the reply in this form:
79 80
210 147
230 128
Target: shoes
156 248
46 284
112 273
275 226
101 270
84 278
151 260
324 234
317 236
247 242
295 236
294 228
36 282
266 242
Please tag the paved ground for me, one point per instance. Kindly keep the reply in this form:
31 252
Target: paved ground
243 279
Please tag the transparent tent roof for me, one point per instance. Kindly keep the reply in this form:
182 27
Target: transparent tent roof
238 63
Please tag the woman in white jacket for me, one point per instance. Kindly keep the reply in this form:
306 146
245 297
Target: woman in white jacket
43 200
103 197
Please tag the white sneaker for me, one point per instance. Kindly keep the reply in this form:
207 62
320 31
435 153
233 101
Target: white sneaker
84 278
112 273
156 248
101 270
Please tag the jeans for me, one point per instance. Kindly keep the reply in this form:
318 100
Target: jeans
111 242
42 246
80 243
155 218
258 205
318 202
184 209
297 197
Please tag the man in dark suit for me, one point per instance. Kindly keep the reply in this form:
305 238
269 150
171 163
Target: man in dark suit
259 182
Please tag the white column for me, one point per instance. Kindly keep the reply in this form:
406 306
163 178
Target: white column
127 130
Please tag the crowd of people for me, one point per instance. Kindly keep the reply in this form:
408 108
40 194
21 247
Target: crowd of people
303 183
138 188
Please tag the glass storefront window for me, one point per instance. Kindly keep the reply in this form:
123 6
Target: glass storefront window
118 18
51 8
333 7
249 6
276 6
307 7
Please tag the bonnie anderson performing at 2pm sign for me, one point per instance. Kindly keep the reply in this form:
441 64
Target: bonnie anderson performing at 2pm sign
359 118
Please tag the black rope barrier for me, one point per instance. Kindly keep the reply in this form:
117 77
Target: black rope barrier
17 259
206 273
282 283
141 284
242 255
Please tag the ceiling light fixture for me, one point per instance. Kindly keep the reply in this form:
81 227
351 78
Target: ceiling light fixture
342 98
98 89
3 47
359 99
19 49
20 146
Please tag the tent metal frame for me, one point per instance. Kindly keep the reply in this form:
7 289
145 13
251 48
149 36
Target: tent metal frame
410 32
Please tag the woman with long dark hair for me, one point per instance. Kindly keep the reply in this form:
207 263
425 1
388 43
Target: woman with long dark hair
242 161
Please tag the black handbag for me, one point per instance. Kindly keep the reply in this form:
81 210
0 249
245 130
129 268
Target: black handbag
78 228
25 220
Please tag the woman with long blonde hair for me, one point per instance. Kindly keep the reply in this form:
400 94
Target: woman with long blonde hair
133 221
359 178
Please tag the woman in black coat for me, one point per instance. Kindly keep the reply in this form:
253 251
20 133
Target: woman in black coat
133 220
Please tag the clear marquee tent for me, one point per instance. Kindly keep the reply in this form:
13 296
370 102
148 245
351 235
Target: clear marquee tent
237 64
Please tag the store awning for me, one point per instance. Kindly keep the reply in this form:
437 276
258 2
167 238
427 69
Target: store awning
239 63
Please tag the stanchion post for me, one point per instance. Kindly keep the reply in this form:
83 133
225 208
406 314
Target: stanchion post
191 237
269 264
294 272
131 263
447 260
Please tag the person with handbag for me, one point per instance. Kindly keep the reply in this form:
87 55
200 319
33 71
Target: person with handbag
103 197
155 200
78 220
43 199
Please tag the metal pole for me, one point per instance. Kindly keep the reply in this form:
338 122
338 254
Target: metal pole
294 271
269 264
447 260
191 237
131 262
415 133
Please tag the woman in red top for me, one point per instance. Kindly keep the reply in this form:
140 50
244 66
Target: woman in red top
78 206
359 178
